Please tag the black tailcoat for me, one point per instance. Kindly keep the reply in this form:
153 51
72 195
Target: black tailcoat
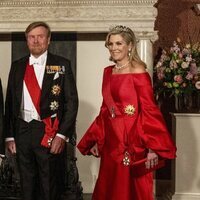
58 97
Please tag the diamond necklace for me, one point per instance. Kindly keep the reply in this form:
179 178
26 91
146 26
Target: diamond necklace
121 67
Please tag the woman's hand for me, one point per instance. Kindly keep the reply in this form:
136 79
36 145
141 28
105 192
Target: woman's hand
94 150
152 159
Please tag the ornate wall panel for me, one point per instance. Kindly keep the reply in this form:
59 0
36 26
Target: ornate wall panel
80 16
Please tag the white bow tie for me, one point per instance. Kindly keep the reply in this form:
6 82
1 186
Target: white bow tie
37 61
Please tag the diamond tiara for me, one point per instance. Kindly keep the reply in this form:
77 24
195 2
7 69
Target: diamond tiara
120 28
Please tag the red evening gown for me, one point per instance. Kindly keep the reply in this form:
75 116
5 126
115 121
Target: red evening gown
137 125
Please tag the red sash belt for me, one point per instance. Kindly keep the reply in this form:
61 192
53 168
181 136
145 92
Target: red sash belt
50 131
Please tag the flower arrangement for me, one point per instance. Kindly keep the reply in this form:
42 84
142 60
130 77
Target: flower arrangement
178 70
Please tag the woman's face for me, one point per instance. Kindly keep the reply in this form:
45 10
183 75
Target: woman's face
118 48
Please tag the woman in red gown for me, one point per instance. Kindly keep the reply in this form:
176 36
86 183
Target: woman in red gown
129 127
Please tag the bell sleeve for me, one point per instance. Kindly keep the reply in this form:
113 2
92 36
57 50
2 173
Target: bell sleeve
153 130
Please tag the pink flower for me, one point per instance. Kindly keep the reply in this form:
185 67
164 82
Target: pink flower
159 64
188 58
184 84
189 76
193 68
175 48
180 55
178 69
160 75
185 51
178 78
163 57
196 77
173 64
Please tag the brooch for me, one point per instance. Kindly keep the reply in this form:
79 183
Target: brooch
54 105
126 159
112 112
52 69
56 90
129 110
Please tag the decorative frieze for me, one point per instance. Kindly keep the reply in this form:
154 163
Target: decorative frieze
16 3
79 16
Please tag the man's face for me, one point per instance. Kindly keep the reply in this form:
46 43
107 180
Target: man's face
38 41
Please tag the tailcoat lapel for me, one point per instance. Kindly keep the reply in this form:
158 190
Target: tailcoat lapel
47 80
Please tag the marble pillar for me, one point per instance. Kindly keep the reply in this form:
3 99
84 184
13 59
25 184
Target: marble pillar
186 128
145 48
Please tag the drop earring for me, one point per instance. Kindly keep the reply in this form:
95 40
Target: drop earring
129 53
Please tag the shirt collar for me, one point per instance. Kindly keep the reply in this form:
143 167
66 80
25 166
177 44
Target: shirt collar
39 61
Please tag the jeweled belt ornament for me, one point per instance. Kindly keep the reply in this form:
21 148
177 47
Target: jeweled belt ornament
126 160
112 112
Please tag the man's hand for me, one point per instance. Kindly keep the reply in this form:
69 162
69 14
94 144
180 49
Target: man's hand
11 147
57 145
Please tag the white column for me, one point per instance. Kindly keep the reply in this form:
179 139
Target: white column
145 48
5 62
89 81
187 164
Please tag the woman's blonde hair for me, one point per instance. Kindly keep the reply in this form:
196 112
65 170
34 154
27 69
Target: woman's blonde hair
129 37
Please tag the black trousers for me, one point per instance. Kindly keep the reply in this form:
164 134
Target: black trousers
40 171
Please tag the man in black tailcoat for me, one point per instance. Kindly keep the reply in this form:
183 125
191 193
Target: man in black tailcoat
40 114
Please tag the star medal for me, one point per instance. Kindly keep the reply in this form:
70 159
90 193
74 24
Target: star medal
129 110
54 105
56 90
